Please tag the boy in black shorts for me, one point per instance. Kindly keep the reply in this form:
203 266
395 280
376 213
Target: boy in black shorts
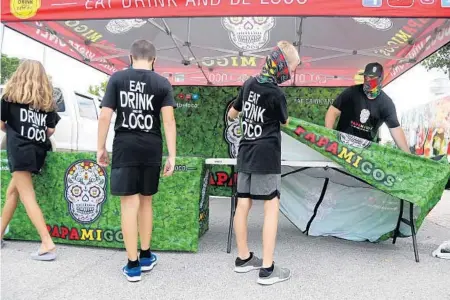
139 96
263 106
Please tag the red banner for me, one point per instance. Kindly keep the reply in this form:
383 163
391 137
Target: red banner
68 44
32 10
73 43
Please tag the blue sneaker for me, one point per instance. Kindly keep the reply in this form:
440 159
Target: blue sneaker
147 264
132 274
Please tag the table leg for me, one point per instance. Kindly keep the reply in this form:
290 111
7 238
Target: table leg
232 210
413 231
397 228
410 223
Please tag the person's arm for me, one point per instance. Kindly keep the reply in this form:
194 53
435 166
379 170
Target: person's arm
330 118
396 131
282 110
170 128
236 108
104 120
108 106
4 114
53 119
334 111
399 138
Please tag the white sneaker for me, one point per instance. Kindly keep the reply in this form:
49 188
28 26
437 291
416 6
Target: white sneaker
443 251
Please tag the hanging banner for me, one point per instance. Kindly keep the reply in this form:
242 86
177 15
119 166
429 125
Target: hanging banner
228 50
19 10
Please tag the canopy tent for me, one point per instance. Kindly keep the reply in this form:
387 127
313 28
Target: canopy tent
200 44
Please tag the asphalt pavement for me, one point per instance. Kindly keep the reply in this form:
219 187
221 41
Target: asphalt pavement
323 267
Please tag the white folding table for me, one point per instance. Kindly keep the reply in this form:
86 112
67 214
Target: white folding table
303 165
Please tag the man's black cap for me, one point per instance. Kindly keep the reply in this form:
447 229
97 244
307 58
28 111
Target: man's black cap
373 69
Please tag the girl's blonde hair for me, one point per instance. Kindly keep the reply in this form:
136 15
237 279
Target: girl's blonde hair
29 84
290 52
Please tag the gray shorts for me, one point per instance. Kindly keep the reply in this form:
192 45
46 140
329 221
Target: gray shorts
258 186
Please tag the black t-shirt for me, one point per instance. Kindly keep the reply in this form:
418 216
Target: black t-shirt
361 116
263 107
27 124
137 96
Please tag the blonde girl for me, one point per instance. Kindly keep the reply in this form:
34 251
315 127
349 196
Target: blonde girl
29 118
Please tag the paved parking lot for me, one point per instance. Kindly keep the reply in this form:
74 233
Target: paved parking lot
323 268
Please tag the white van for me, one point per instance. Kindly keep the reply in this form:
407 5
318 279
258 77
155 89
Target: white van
77 129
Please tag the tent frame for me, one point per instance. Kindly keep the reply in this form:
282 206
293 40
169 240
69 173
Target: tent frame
191 58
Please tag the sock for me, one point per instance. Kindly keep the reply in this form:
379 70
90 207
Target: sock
248 259
240 262
133 264
270 269
266 272
145 253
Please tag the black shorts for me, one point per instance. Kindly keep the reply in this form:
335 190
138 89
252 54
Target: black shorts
30 158
127 181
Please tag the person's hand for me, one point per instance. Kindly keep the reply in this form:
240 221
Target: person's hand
102 157
169 166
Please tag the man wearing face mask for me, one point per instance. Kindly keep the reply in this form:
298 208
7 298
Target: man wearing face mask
140 97
363 108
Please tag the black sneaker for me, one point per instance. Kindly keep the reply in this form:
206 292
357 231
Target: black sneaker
242 266
277 275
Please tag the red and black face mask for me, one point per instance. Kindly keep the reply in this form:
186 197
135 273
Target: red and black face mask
372 86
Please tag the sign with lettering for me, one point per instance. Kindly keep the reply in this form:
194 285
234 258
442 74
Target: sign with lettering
75 198
122 9
393 171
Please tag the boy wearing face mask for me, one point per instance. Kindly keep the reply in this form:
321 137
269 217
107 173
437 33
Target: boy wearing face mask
363 108
264 109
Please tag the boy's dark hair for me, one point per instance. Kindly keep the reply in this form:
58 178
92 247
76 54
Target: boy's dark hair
143 49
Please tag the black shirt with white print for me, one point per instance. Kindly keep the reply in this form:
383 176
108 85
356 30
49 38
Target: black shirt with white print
27 142
137 96
263 107
27 123
361 116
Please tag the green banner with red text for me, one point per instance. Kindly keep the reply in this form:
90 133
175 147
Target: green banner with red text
74 196
405 176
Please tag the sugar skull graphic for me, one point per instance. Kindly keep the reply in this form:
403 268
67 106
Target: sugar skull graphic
353 141
85 190
382 24
249 33
364 115
119 26
232 133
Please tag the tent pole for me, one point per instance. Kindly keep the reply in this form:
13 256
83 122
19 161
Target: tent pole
299 43
189 31
1 38
44 55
